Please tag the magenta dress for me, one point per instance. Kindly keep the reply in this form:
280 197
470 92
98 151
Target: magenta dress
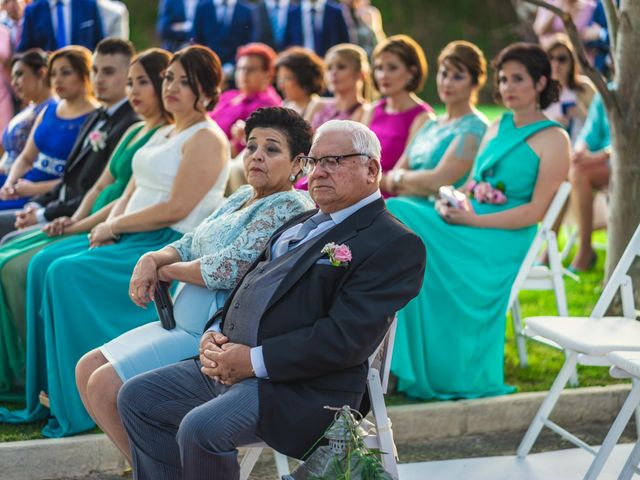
235 105
392 130
329 112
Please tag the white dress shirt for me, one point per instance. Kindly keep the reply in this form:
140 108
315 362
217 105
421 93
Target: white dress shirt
224 15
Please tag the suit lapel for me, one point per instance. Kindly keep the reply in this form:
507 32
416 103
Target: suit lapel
341 233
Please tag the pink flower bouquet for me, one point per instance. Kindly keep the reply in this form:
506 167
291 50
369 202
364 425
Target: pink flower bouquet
484 192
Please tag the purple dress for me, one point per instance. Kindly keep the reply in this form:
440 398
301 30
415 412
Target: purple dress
329 112
235 105
392 130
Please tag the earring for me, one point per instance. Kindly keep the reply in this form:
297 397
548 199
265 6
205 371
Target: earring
292 178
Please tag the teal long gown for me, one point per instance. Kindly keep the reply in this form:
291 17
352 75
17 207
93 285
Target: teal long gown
450 338
78 299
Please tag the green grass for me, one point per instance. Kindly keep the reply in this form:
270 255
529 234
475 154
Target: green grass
491 111
544 362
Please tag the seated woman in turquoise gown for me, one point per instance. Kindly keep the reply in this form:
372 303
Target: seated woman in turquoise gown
178 179
442 151
450 339
41 163
211 260
145 87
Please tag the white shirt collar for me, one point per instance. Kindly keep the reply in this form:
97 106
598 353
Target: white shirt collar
342 215
52 3
113 108
318 5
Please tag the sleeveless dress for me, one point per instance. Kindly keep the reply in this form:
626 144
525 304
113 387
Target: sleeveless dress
392 130
329 112
78 302
15 136
16 254
226 243
450 338
54 137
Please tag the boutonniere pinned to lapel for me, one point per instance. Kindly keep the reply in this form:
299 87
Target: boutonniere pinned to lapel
98 140
339 255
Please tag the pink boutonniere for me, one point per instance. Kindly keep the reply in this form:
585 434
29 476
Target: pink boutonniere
98 140
339 255
484 192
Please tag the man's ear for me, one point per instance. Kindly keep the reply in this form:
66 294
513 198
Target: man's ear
373 171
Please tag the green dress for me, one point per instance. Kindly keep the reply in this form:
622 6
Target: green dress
450 338
14 262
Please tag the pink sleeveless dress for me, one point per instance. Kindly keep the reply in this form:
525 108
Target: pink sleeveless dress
392 130
329 112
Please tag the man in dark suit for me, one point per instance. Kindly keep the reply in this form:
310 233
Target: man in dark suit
53 24
175 23
223 26
317 25
295 333
271 22
85 162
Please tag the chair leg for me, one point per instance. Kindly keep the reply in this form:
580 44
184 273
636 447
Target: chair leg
631 463
547 405
282 464
521 343
628 408
382 423
249 461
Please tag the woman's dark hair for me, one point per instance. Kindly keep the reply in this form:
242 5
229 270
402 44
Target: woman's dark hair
535 61
306 66
155 61
561 40
203 69
34 58
296 130
410 53
80 60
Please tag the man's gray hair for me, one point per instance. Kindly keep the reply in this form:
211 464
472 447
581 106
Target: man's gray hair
363 138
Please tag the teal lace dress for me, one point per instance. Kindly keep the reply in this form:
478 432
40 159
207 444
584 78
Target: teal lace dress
450 338
227 243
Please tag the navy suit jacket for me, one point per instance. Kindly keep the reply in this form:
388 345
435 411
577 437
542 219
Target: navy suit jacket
170 12
334 28
37 30
224 40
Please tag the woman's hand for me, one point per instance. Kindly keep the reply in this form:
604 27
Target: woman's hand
102 234
457 216
8 192
25 188
143 281
58 226
26 217
237 130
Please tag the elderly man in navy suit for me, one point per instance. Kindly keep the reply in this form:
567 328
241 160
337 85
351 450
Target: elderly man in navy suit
317 25
294 335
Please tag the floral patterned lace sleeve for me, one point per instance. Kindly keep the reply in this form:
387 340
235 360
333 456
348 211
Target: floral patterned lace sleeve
244 233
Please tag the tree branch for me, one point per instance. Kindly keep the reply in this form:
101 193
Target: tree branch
594 75
611 12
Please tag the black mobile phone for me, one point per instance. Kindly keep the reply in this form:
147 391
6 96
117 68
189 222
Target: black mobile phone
164 306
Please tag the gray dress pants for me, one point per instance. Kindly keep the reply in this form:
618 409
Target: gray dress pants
183 425
7 221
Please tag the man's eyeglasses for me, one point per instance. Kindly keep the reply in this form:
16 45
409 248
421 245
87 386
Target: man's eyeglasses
329 163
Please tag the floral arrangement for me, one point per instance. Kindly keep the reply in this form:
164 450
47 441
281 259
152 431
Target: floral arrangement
339 255
98 140
484 192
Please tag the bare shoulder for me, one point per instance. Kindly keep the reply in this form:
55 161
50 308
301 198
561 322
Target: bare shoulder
207 138
552 141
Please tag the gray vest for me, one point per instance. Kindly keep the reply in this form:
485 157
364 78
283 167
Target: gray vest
252 297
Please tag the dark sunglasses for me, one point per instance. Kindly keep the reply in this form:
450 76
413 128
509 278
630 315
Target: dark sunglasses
562 59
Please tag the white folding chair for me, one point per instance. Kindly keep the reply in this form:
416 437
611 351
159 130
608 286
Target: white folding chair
588 341
540 277
380 435
624 365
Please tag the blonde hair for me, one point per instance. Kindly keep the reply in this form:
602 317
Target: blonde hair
356 56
